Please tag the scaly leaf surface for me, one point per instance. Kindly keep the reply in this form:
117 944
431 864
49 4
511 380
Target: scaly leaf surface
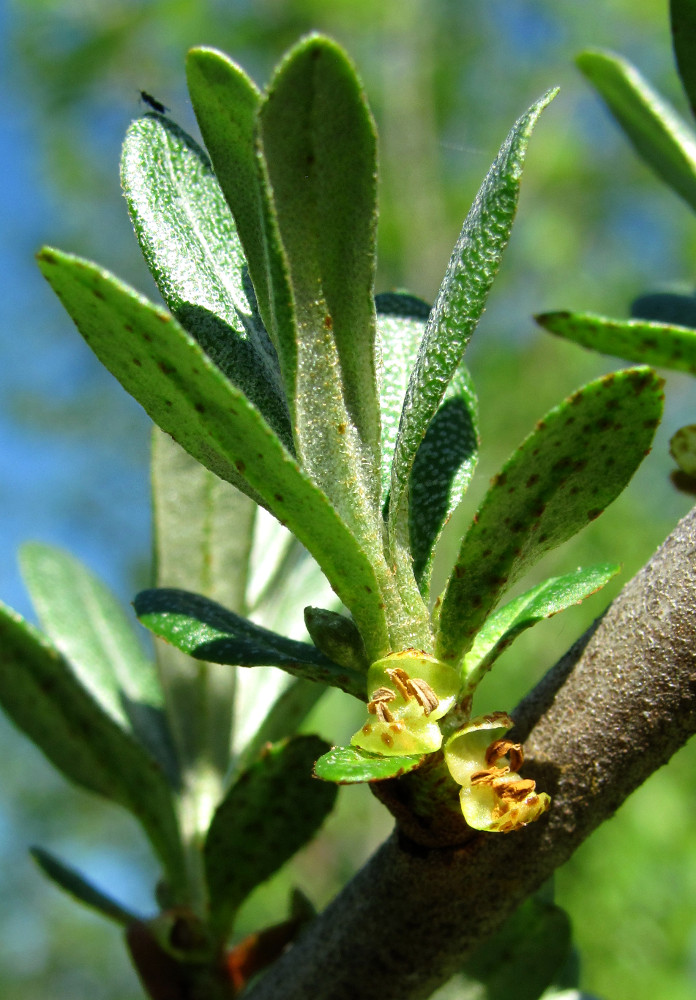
271 810
547 599
649 343
473 265
207 631
319 146
573 465
226 103
161 365
190 243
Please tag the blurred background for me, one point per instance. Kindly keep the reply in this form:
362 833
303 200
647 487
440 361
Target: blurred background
446 79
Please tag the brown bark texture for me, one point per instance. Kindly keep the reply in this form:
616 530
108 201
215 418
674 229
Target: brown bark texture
611 712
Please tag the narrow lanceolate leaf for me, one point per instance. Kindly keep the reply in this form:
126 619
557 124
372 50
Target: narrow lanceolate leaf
351 765
80 888
189 397
660 136
189 240
401 321
271 810
447 455
683 19
203 530
442 471
319 146
90 628
42 696
207 631
543 601
524 957
576 461
473 265
226 103
634 339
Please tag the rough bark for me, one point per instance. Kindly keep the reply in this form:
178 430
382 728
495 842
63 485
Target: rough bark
611 712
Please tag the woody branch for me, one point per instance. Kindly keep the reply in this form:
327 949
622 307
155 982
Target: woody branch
611 712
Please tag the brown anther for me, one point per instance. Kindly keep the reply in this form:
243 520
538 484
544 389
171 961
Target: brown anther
383 695
505 748
379 709
424 694
483 778
519 790
400 680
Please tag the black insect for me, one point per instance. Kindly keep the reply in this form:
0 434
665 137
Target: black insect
153 102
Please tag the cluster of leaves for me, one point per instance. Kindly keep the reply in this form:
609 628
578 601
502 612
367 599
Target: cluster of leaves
662 330
171 741
352 420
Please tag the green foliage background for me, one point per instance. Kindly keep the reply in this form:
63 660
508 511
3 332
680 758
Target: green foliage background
446 78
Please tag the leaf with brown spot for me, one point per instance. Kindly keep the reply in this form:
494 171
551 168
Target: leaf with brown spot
190 243
448 454
569 486
318 141
207 631
542 601
271 810
461 299
230 431
647 342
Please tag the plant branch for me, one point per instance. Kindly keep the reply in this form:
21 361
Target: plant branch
611 712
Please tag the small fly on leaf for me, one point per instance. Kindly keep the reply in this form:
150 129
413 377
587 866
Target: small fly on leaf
153 102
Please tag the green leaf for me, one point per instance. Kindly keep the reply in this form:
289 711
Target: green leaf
270 811
523 958
666 308
442 470
77 886
634 339
473 265
190 243
207 631
203 529
576 461
683 20
542 601
447 455
401 321
319 144
90 628
659 135
226 103
337 637
42 696
168 373
351 765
